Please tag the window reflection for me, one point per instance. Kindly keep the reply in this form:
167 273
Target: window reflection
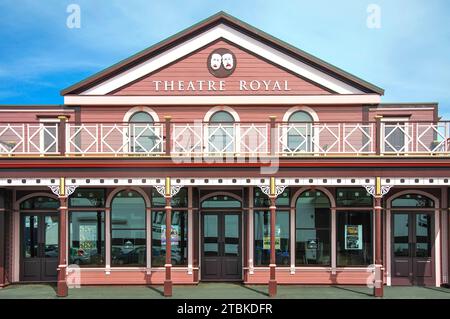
179 248
262 238
128 239
313 220
87 238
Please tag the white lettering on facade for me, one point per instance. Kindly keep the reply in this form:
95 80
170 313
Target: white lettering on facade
211 85
255 85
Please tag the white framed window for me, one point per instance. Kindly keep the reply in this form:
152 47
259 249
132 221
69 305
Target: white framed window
395 135
48 135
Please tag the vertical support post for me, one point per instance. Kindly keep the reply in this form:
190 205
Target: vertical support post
2 238
168 265
62 134
378 139
190 231
272 266
378 284
272 135
62 289
168 118
148 222
107 240
445 234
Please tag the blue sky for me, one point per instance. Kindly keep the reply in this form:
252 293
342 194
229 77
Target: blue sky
409 56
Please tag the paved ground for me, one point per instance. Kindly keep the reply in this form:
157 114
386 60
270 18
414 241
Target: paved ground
223 291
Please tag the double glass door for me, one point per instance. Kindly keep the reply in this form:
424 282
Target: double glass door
39 246
221 246
412 249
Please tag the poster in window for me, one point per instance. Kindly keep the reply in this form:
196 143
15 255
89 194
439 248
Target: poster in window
88 236
266 241
353 237
174 235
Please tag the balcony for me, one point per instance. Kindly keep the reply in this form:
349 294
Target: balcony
243 139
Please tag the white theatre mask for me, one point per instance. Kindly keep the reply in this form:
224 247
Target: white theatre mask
227 61
216 61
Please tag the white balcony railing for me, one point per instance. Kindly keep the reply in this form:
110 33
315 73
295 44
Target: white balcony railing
226 139
220 139
29 139
114 139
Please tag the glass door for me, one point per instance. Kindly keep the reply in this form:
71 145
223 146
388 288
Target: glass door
40 233
221 246
412 253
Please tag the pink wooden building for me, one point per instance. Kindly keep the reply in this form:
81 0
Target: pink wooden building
261 163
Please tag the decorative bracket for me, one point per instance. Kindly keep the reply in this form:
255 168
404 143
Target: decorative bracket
174 189
69 190
371 189
279 189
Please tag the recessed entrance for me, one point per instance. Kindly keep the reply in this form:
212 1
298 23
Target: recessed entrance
412 249
39 239
39 247
413 241
221 238
221 246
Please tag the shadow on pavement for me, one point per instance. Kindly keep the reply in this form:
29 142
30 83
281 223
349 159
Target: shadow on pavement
159 291
353 290
255 290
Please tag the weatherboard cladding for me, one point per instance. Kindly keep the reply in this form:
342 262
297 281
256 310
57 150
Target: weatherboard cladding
204 25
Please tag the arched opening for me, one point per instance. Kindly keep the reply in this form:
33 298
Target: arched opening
413 239
128 229
221 135
143 133
313 229
300 132
39 233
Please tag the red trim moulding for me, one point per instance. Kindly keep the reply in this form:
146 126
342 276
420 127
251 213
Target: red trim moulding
195 165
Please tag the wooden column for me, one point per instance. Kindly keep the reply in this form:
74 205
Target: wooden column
378 139
168 265
62 134
272 134
2 239
168 134
378 284
62 289
272 280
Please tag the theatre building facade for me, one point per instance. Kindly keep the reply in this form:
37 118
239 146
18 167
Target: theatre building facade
224 154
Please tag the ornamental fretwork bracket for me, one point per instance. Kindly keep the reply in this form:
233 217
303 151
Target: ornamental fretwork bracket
68 190
378 190
279 189
174 189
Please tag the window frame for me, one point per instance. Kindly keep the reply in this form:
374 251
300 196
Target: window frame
110 261
104 255
330 229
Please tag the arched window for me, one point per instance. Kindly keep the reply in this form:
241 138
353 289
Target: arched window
40 202
128 243
413 200
221 201
313 229
300 131
221 135
143 136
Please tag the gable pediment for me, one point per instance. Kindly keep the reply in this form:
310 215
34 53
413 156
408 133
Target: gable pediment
195 75
274 67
